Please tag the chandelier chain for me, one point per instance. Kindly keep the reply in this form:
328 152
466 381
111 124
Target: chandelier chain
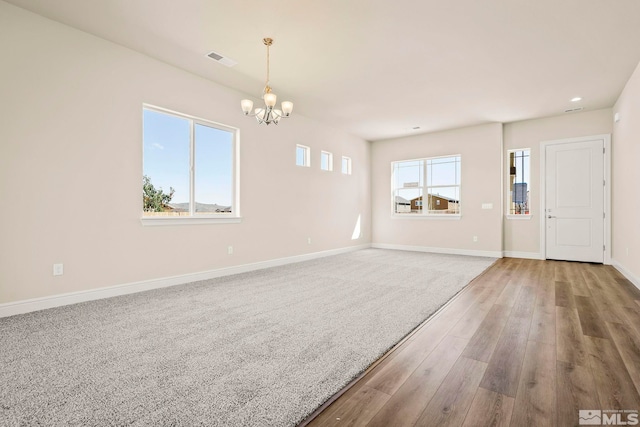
267 84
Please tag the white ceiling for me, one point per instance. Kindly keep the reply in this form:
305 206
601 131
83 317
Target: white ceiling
379 68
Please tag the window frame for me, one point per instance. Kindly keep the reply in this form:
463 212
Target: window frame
349 165
193 218
508 214
307 156
425 214
329 162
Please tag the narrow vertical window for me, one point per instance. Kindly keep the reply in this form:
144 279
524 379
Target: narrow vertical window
346 165
519 188
326 161
303 155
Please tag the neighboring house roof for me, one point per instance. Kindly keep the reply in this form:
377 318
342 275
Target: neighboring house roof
402 201
438 196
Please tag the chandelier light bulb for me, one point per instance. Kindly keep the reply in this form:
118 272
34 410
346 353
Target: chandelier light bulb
247 106
287 108
270 99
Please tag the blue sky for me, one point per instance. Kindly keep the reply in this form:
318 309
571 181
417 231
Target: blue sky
300 156
166 158
439 171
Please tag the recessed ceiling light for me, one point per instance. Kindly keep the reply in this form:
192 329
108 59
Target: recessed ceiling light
576 99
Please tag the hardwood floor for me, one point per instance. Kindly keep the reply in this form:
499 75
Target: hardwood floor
527 343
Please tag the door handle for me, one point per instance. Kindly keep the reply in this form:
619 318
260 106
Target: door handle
550 216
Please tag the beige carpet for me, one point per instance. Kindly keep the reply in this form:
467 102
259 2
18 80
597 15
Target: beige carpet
264 348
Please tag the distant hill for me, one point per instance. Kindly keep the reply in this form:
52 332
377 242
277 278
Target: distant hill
200 207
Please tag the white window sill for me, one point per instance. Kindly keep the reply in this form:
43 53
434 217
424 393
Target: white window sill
518 216
192 220
433 216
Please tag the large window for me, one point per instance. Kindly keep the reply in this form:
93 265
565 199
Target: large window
189 168
518 169
427 186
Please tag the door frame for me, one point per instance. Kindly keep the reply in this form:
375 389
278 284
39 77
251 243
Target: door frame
606 138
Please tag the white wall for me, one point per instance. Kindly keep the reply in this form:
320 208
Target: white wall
522 236
626 180
71 169
481 151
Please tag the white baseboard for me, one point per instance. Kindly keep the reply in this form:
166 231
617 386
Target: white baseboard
626 273
525 255
451 251
27 306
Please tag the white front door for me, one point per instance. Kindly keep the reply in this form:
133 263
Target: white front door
574 201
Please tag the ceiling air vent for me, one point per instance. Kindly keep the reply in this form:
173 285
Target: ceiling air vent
573 110
221 59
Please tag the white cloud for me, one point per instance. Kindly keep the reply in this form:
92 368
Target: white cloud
158 146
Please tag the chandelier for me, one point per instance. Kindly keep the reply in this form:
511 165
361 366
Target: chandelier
268 114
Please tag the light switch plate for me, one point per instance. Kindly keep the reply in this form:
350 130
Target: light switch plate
58 269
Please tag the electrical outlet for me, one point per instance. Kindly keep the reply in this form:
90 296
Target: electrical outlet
58 269
230 250
475 238
308 240
627 251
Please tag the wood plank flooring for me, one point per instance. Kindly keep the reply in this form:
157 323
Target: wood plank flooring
527 343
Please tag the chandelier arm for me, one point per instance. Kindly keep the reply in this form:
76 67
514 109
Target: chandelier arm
270 116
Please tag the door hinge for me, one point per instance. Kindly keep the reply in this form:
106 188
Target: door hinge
604 215
603 150
604 248
604 182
